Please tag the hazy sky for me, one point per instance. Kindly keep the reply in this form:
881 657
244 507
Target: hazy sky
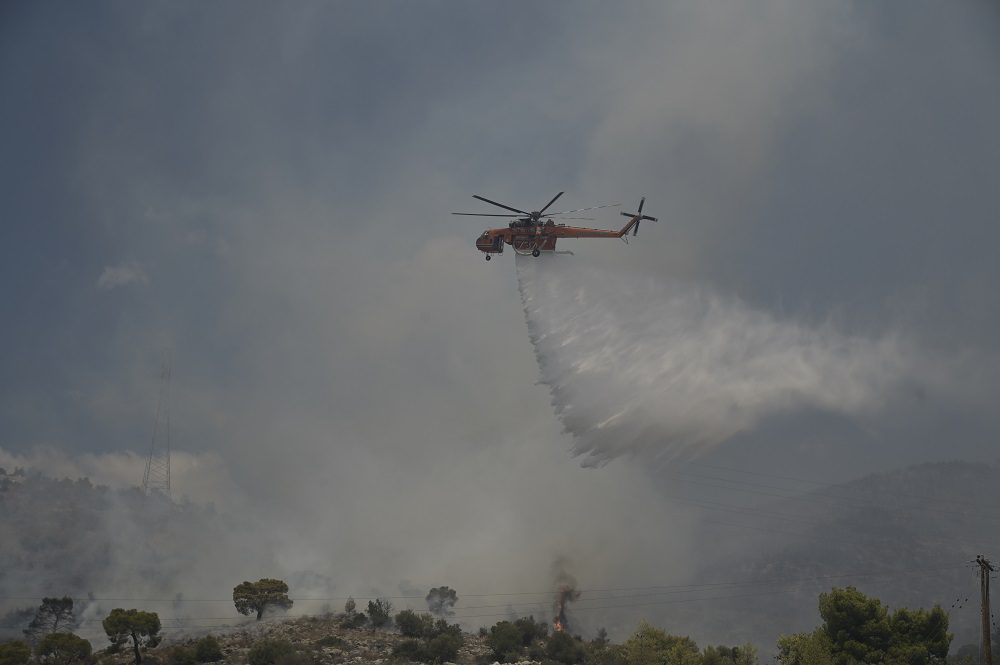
265 190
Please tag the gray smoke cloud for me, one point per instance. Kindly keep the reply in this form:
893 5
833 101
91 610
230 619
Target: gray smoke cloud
640 365
353 384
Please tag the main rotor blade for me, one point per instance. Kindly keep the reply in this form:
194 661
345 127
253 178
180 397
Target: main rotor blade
590 218
551 202
500 205
483 214
564 212
641 202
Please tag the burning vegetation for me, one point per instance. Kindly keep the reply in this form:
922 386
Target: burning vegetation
564 596
566 592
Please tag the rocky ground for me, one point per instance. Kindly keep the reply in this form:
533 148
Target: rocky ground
321 639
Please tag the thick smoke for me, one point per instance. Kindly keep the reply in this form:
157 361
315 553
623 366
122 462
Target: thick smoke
645 366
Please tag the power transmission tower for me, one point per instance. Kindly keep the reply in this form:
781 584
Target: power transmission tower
157 475
985 648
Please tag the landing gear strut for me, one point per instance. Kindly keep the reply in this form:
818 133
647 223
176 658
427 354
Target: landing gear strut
536 252
488 257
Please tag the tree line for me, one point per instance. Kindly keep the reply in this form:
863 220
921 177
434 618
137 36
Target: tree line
855 629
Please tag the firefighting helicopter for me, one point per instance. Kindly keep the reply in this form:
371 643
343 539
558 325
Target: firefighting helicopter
532 233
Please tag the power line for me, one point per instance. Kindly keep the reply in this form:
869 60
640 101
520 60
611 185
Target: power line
663 589
540 606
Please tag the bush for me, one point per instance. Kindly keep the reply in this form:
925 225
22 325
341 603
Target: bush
440 642
412 650
16 652
329 641
379 612
742 655
271 652
207 650
181 656
611 654
411 624
443 648
442 627
536 653
531 630
505 642
64 649
653 645
355 620
564 648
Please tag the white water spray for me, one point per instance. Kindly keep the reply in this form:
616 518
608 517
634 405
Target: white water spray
645 366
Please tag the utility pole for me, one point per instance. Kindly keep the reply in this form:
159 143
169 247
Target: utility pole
985 648
157 475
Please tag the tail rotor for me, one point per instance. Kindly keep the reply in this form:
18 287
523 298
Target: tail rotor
638 217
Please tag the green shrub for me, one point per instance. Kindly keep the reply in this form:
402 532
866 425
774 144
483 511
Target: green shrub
181 656
610 654
564 648
329 641
505 642
294 658
207 650
353 620
535 652
649 645
411 624
379 612
442 627
16 652
412 650
269 652
443 648
531 630
64 649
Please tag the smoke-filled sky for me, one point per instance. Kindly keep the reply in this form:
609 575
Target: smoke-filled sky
264 189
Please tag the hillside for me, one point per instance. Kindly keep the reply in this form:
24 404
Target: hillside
72 537
907 536
322 639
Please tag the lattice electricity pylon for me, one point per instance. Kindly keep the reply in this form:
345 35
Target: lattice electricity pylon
157 475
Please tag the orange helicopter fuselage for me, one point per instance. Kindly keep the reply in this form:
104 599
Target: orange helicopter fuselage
527 238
